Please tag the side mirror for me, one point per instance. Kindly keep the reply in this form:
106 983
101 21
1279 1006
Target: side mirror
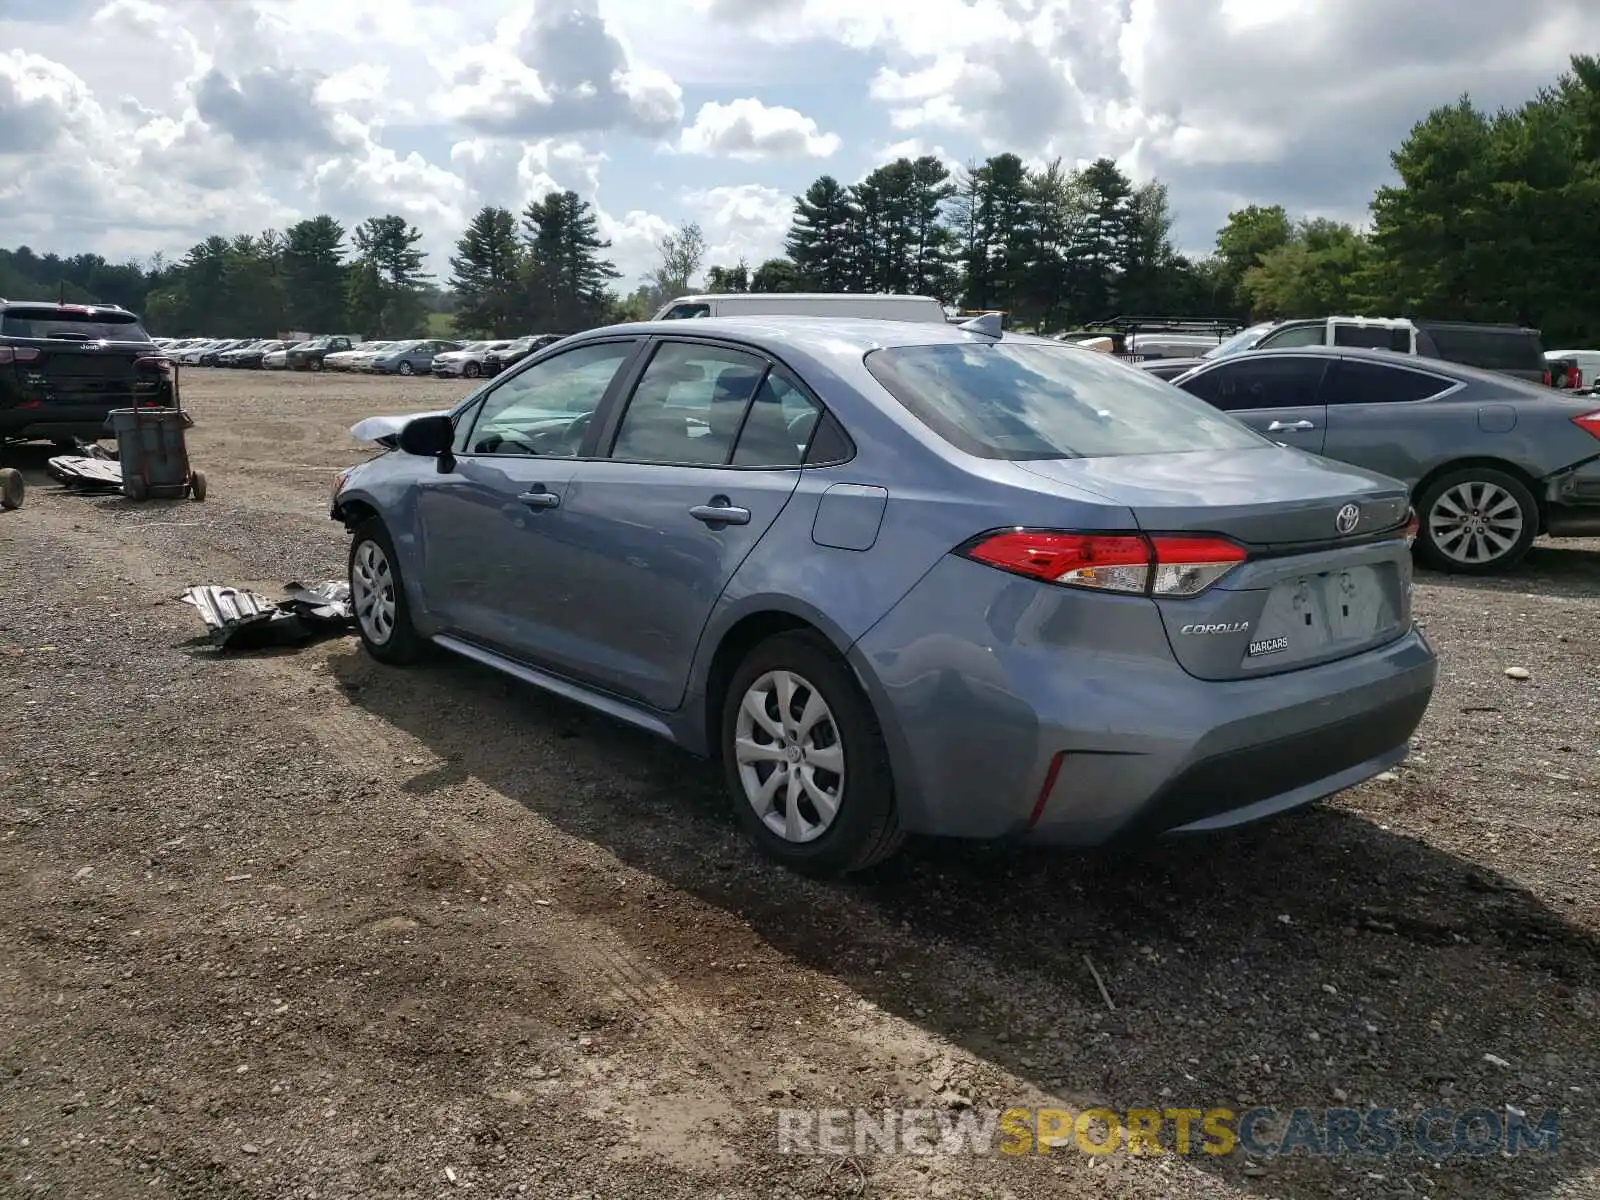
427 437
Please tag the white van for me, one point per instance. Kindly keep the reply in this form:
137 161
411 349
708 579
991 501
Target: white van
1588 364
805 304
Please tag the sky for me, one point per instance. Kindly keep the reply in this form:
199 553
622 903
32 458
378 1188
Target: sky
130 127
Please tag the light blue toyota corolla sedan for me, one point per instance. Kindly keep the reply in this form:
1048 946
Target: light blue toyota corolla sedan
903 578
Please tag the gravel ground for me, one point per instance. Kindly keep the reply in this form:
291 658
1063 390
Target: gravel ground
292 924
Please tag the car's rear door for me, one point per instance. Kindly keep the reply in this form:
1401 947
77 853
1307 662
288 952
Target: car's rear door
1275 394
703 458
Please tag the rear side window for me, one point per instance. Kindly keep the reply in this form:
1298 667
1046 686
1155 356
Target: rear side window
683 312
1490 349
1373 383
689 404
1373 337
1273 381
69 325
1014 400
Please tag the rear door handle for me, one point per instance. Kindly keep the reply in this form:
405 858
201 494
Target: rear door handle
540 499
1280 426
720 512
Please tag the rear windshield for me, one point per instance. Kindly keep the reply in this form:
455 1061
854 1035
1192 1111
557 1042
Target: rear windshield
64 324
1023 401
1490 349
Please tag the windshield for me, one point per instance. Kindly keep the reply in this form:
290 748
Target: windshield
65 324
1018 400
1245 339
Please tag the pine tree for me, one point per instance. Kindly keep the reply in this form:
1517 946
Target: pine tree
314 275
486 274
822 243
566 280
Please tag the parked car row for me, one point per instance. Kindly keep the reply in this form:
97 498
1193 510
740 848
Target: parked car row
441 357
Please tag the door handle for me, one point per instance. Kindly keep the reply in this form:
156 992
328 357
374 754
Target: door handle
1280 426
720 512
540 499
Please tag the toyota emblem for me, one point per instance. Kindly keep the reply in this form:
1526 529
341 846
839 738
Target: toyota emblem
1347 520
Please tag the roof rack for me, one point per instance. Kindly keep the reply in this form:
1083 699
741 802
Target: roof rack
1221 326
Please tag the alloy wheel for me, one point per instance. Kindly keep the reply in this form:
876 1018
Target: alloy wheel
790 756
372 592
1476 522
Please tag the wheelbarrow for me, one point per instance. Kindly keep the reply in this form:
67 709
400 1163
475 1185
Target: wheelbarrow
155 455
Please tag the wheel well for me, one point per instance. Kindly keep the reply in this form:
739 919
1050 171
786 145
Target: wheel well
747 633
1493 464
355 513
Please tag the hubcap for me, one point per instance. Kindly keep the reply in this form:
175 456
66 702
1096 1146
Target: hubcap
372 592
790 756
1475 522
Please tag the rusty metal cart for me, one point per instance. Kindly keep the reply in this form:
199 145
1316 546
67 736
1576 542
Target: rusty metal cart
154 454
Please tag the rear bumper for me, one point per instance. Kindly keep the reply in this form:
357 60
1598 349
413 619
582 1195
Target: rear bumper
1067 689
52 421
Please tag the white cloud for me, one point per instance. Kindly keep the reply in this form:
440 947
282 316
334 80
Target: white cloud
747 221
238 114
559 70
748 130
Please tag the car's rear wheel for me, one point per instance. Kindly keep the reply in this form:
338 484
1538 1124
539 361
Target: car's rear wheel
805 760
378 597
1476 521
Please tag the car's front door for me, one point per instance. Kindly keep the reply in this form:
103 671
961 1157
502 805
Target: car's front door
1275 394
705 455
491 543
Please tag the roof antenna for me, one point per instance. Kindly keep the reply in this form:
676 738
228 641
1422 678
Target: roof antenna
986 325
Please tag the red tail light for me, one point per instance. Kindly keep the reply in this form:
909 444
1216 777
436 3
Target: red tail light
1547 377
1574 377
20 354
1589 422
1163 565
153 366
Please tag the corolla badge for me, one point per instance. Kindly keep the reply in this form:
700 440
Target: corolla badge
1348 518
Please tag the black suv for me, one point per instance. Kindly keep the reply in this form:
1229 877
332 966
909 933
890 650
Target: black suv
308 356
497 361
64 367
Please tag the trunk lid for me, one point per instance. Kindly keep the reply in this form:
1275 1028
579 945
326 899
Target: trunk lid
1314 588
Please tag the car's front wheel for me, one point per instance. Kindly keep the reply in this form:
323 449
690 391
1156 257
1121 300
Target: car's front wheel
805 760
407 369
378 597
1476 521
471 370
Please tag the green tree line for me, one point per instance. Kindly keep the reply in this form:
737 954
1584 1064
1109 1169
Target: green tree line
1493 217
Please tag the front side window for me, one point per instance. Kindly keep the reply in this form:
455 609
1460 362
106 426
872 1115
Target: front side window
1271 381
546 409
1295 335
1016 400
689 405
